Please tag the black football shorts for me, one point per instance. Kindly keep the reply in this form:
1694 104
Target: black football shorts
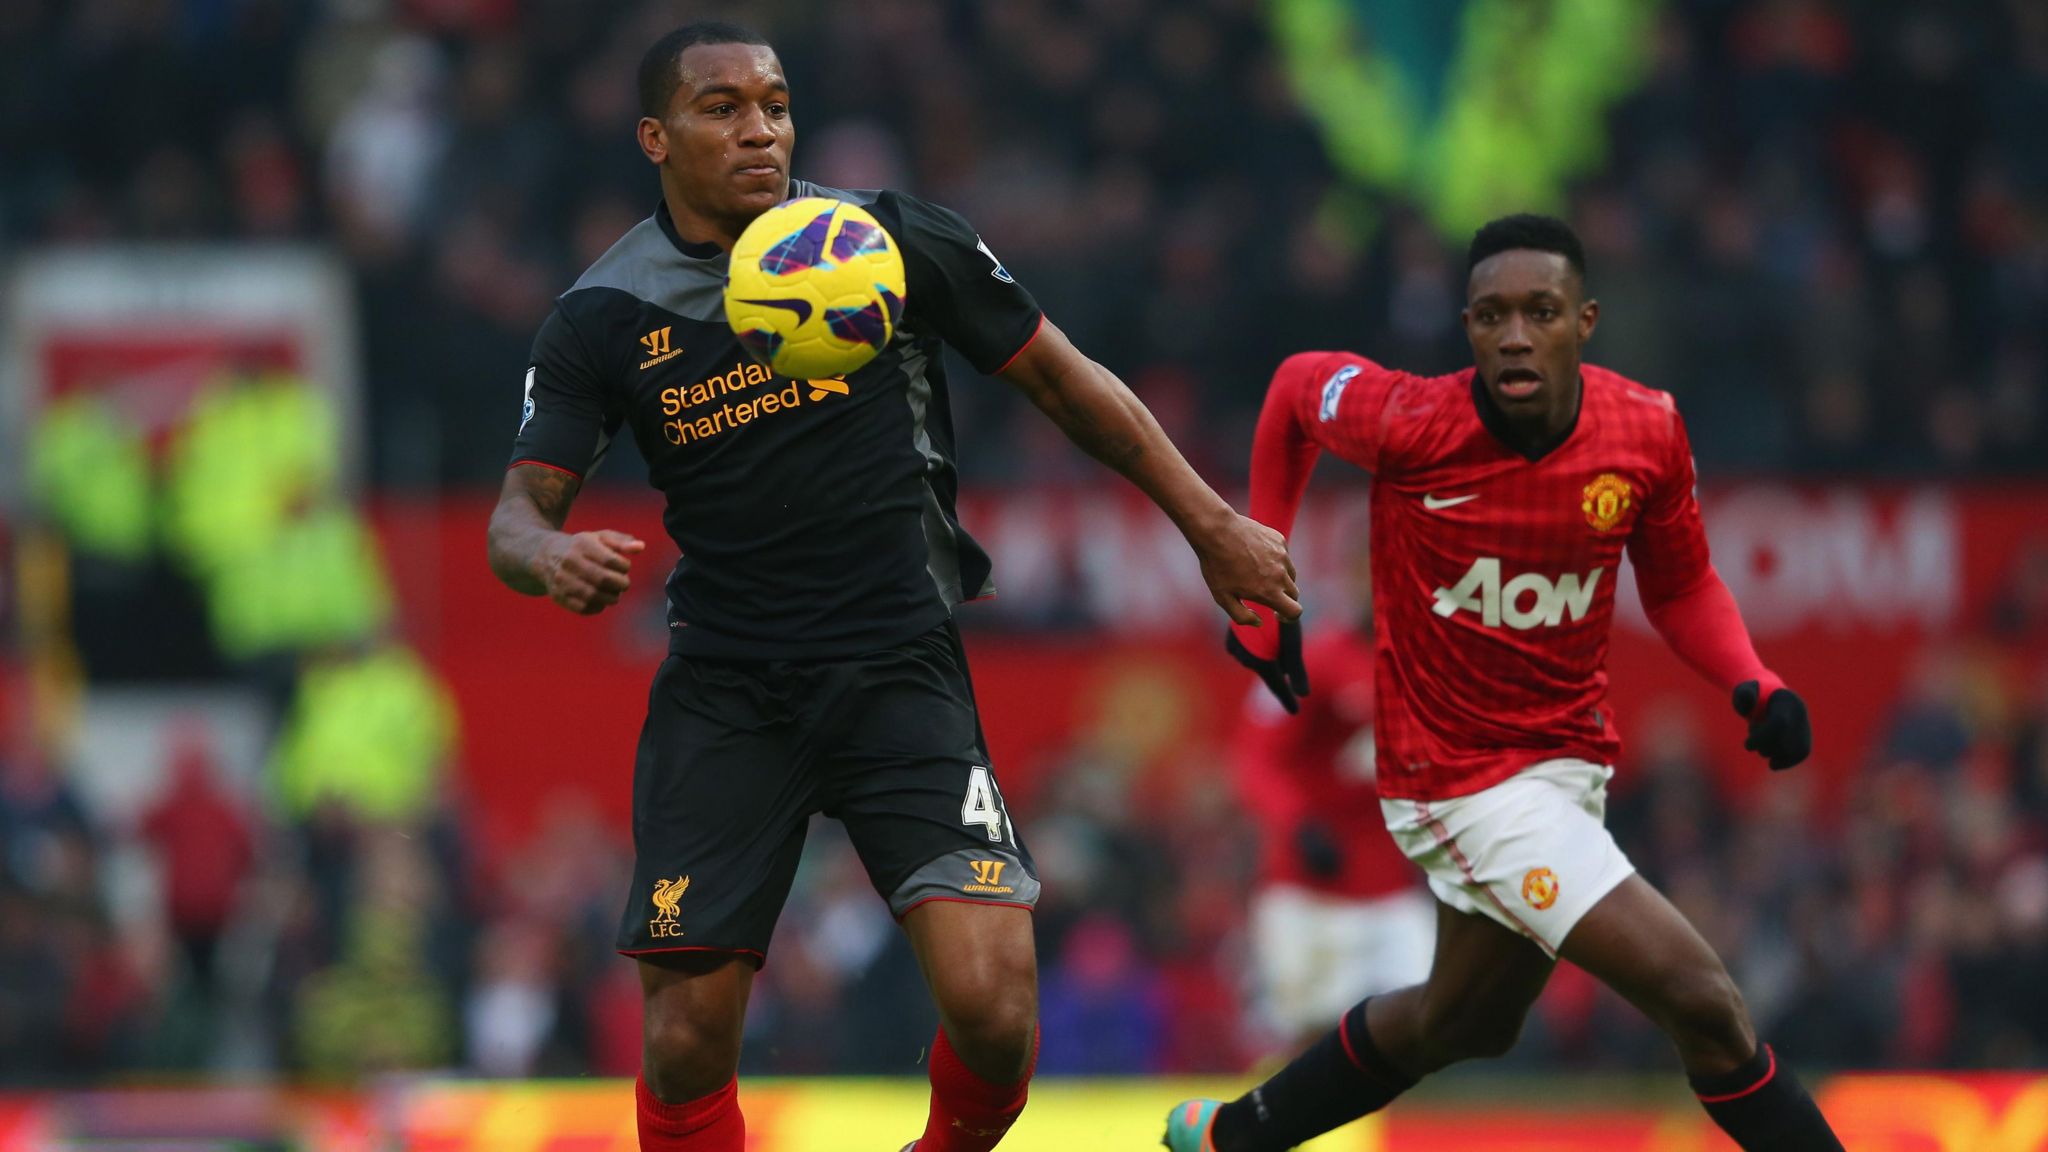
737 755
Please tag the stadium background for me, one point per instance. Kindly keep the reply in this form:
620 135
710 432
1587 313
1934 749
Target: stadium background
293 797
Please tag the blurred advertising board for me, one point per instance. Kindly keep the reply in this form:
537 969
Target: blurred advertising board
1856 594
149 325
1918 1112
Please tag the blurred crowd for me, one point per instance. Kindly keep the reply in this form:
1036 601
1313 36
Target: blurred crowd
1826 232
1824 226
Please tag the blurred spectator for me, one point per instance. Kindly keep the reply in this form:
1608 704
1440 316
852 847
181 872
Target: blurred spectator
40 818
512 1009
384 151
32 989
380 1007
205 848
1340 914
371 732
1099 1009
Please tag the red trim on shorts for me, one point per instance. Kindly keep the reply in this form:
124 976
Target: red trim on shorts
979 599
544 464
760 958
1446 840
1020 348
1768 1073
923 900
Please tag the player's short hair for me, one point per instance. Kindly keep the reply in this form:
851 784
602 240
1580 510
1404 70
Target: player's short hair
659 73
1531 231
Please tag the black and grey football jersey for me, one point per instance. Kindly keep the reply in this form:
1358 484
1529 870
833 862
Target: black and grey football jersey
815 518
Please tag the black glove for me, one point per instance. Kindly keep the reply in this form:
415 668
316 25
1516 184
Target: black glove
1782 735
1320 853
1284 674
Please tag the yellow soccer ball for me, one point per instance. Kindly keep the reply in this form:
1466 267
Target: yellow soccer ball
814 288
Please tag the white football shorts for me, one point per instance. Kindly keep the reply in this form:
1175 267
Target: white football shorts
1532 852
1316 955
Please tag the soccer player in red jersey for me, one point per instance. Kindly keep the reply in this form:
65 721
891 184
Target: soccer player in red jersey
1503 499
1338 914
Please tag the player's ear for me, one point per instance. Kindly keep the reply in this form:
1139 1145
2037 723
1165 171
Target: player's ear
653 139
1589 318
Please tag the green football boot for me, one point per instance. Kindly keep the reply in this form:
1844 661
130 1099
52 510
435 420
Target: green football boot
1187 1126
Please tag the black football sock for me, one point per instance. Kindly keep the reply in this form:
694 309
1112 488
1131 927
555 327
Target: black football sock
1764 1108
1344 1076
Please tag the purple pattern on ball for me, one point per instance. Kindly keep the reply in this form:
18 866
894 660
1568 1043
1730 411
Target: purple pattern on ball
761 343
859 325
857 238
799 250
893 303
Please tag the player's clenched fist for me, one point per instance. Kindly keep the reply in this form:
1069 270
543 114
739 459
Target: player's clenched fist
591 571
1248 561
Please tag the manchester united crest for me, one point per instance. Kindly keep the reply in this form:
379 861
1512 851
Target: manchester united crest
1606 502
1539 888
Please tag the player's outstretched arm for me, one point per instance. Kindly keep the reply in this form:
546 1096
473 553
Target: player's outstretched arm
1241 558
1696 615
585 572
1316 402
1703 626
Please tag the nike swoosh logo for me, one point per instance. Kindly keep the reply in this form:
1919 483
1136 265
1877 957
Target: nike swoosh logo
1438 504
802 308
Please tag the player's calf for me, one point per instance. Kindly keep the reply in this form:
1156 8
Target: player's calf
1756 1100
1341 1077
1741 1084
983 970
1764 1107
1481 984
1439 1031
969 1112
693 1009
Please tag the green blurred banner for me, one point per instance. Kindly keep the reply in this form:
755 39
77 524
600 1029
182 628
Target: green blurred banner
1467 108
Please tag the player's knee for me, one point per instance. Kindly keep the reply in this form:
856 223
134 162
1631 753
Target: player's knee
995 1034
1706 1017
992 1018
688 1052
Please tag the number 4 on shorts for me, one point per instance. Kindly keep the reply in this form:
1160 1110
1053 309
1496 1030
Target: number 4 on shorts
983 805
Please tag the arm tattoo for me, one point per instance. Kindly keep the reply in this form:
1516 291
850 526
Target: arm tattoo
532 508
1084 427
550 490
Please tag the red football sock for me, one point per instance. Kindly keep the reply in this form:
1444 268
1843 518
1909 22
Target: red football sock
970 1114
707 1124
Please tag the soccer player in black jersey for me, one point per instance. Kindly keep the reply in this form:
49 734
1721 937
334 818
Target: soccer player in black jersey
814 664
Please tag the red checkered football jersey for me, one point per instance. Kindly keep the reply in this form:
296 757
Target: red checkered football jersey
1493 573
